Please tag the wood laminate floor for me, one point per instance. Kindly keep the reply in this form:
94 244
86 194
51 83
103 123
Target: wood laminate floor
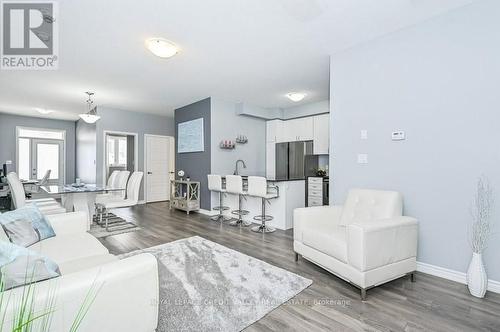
329 304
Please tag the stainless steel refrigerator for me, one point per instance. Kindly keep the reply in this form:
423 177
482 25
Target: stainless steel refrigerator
295 160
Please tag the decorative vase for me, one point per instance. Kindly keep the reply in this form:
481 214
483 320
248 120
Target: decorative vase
477 281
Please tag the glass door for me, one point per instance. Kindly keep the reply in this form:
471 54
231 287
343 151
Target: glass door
47 155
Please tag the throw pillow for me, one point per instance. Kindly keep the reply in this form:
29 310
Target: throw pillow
20 266
21 218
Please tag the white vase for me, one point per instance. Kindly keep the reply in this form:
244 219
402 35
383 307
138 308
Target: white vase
477 281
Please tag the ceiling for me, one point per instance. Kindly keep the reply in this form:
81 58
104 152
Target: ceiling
252 51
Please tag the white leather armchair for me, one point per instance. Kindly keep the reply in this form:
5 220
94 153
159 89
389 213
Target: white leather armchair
366 242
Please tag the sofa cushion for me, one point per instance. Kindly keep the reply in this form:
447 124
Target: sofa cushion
86 263
20 266
364 205
16 225
70 247
325 236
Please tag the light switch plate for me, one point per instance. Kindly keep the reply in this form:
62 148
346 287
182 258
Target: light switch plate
398 135
362 158
364 134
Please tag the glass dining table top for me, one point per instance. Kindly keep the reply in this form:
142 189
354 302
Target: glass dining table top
71 189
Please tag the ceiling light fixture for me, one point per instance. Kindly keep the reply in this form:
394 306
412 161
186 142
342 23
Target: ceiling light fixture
161 47
296 96
91 115
44 111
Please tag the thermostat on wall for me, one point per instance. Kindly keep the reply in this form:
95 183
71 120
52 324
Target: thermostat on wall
398 135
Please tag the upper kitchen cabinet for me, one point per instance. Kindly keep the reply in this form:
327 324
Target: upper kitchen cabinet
301 129
275 131
321 126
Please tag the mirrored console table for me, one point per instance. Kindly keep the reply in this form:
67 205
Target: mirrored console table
185 195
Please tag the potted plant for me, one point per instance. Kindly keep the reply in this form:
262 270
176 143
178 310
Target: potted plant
477 280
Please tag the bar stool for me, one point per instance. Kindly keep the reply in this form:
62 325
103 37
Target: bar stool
234 185
215 184
257 187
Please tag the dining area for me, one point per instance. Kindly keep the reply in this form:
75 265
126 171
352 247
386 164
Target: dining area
120 190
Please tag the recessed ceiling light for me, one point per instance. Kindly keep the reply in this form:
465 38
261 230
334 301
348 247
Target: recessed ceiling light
161 47
296 96
44 111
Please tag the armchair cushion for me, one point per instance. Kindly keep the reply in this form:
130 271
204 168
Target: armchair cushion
381 242
327 237
363 205
303 216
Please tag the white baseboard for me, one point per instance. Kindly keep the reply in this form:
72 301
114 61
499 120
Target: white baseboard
141 202
460 277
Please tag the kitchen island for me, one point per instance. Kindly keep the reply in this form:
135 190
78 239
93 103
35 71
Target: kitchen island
291 195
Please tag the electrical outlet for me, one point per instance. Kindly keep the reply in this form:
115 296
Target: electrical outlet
364 134
398 135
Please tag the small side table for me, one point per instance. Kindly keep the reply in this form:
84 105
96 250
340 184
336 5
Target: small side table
185 195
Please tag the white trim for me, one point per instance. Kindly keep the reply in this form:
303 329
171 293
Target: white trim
63 131
172 155
460 277
105 147
141 202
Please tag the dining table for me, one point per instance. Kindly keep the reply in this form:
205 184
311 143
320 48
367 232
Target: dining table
79 197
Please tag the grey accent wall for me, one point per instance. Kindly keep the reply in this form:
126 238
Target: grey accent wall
196 164
8 124
86 150
438 81
133 122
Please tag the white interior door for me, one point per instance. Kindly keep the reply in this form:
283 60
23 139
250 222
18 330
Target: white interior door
158 157
47 155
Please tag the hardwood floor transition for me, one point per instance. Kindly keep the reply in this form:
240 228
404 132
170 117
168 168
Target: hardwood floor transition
329 304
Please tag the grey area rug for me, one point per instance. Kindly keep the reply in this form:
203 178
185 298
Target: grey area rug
116 225
205 286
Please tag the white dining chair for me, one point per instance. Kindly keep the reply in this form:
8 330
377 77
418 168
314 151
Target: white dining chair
112 183
46 205
131 199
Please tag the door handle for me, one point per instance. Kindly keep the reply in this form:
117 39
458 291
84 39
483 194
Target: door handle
150 173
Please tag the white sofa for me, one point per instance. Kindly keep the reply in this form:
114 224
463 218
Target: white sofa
128 299
366 242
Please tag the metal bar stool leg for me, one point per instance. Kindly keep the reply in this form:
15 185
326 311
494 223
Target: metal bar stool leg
263 228
240 213
221 208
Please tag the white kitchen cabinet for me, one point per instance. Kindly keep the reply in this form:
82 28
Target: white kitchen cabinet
321 126
301 129
275 131
271 160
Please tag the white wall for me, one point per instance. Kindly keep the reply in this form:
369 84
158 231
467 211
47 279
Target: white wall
309 109
226 125
439 82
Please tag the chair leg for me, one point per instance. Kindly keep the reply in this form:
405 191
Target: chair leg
412 277
296 257
363 294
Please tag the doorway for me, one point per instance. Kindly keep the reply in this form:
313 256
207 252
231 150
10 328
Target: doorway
40 151
120 152
159 165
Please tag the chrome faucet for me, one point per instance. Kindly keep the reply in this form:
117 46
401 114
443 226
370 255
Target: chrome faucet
236 172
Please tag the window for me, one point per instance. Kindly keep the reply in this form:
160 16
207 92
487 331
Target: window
40 133
117 151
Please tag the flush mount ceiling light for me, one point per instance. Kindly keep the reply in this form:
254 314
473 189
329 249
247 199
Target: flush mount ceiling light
44 111
91 115
161 47
296 96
